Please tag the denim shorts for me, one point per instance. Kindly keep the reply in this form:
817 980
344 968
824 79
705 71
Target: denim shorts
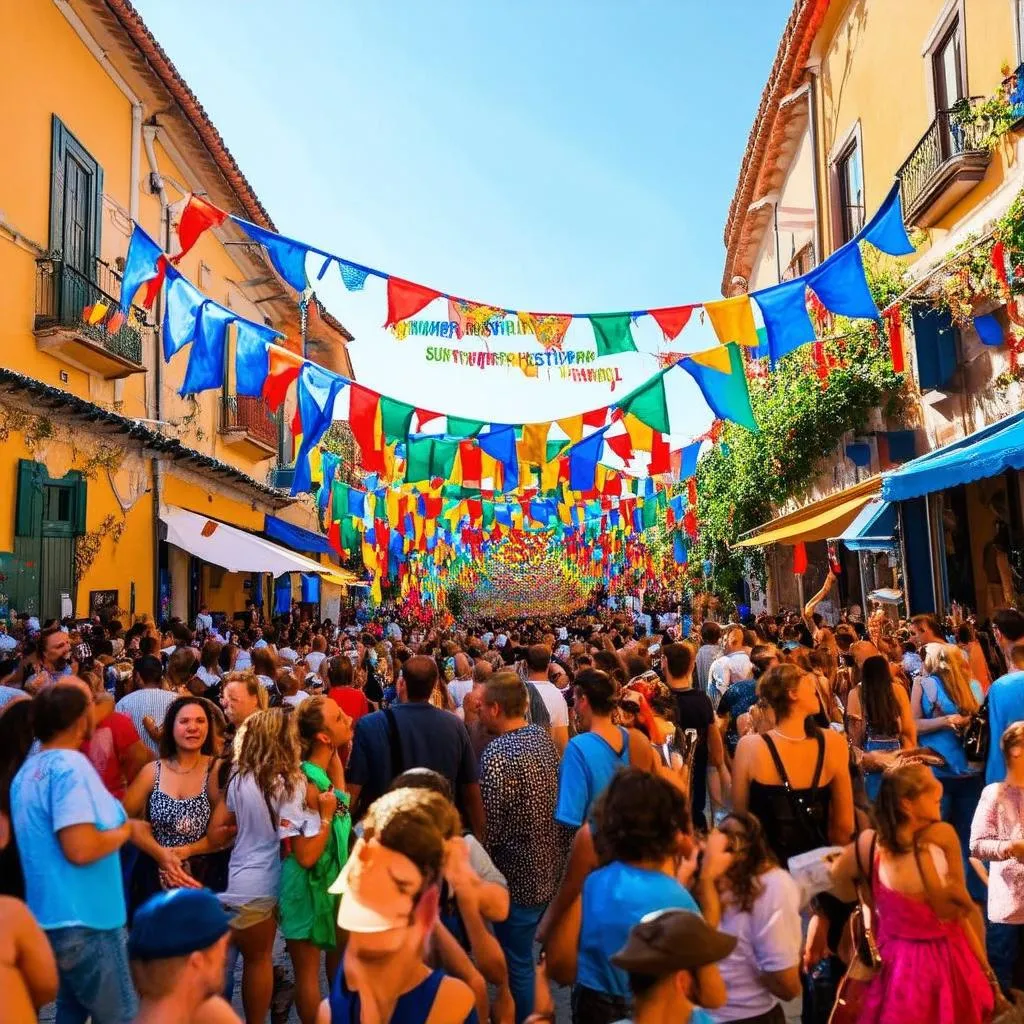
94 977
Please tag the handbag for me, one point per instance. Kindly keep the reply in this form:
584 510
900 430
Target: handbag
866 961
977 735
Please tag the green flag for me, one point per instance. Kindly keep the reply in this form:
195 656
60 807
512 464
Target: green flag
443 458
339 500
612 333
649 513
349 534
395 418
418 451
648 404
459 427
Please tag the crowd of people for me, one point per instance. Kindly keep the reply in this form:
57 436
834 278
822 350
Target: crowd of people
776 819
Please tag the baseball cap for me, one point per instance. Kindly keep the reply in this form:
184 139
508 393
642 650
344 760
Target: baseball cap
667 941
399 856
176 923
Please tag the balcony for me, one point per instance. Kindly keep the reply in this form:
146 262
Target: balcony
248 423
944 166
67 300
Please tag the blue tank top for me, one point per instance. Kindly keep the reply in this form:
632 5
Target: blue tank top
412 1008
936 702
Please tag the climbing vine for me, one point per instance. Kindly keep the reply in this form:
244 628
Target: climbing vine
87 547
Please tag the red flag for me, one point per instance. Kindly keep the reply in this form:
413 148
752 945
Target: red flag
799 558
620 444
282 368
154 284
691 490
660 458
472 464
672 319
894 330
596 417
334 537
999 265
362 418
296 421
199 215
406 299
690 523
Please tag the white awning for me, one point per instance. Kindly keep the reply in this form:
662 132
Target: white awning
231 548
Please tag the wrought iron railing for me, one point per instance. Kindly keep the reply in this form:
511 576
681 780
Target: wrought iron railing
242 412
951 134
65 297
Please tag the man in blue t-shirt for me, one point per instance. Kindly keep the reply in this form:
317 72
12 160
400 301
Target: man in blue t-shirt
599 750
1006 694
421 736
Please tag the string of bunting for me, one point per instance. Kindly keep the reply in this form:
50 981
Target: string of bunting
838 283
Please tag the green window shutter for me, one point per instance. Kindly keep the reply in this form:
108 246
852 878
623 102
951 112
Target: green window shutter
28 519
81 501
57 158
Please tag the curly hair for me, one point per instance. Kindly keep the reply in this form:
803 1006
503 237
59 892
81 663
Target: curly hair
751 858
639 817
904 782
267 748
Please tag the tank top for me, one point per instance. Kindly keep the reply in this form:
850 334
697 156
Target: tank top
795 820
412 1008
178 822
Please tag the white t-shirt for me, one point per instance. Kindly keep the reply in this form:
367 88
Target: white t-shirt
313 660
558 710
254 872
767 939
458 688
730 668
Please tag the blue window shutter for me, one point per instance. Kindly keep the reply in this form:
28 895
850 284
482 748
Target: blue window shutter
935 344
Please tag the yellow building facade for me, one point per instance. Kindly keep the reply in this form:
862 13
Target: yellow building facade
864 93
101 132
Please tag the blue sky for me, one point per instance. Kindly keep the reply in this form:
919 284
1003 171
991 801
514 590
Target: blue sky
567 155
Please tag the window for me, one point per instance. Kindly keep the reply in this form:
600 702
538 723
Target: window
76 201
850 181
1018 26
948 72
801 263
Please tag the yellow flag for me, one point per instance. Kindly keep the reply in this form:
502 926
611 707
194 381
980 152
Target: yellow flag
392 505
733 320
533 447
549 475
641 436
716 358
98 312
573 427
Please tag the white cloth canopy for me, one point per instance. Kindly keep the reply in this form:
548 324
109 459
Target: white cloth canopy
231 548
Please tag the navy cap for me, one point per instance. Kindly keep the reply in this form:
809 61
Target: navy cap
176 923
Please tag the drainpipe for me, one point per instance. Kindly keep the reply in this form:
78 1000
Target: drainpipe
156 185
812 119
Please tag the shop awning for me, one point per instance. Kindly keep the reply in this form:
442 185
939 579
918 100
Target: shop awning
231 548
985 453
339 577
819 520
297 538
873 529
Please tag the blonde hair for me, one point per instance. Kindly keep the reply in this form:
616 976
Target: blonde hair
252 684
267 748
947 662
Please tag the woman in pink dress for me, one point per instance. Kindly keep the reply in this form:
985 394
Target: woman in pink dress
929 931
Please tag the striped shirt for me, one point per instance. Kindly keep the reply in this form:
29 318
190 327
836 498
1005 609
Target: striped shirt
149 701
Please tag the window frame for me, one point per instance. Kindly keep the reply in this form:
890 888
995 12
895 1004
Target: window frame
852 141
64 142
953 17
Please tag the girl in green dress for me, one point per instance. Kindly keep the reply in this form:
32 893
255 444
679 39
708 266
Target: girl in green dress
308 912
